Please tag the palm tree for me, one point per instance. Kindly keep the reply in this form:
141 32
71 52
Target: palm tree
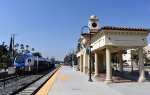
17 45
32 49
37 54
15 51
27 46
22 47
27 51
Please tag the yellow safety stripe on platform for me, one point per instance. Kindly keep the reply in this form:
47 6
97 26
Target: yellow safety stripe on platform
47 86
64 78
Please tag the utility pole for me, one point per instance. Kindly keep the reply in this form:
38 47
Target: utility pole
13 42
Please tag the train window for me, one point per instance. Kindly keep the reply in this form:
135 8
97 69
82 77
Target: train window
20 59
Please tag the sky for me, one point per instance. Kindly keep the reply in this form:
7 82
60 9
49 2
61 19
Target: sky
53 27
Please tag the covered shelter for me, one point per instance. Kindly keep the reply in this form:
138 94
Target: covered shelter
108 40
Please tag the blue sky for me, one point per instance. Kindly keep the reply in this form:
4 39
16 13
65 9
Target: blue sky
53 27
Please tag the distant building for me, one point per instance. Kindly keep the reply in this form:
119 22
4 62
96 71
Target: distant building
127 57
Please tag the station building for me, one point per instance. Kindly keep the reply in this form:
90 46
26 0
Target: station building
106 41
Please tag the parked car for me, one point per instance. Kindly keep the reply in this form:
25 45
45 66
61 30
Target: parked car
146 64
125 64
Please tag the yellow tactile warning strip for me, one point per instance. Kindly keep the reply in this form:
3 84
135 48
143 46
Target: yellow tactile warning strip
45 89
64 78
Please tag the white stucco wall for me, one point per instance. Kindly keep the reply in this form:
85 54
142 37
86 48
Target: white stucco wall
126 40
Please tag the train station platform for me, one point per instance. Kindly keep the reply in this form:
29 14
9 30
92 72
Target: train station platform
68 82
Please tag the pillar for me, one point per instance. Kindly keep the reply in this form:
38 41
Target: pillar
89 65
85 63
104 62
108 66
120 62
141 66
78 62
81 63
96 65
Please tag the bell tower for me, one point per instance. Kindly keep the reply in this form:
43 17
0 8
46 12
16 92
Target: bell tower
93 23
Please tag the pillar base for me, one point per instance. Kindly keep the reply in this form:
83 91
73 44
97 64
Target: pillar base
96 75
85 70
142 79
107 81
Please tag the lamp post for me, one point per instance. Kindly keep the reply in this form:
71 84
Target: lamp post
90 79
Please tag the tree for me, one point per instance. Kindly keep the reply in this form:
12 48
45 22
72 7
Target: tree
27 46
135 56
32 49
37 54
27 50
22 47
3 49
16 46
69 58
52 60
4 55
147 60
6 60
10 46
115 59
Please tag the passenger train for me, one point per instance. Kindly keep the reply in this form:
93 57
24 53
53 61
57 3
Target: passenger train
28 62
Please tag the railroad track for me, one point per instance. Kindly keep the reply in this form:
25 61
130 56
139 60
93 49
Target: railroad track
8 78
18 84
33 88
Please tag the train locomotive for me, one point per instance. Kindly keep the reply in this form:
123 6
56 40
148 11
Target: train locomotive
30 63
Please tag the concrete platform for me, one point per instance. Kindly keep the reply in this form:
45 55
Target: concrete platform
69 82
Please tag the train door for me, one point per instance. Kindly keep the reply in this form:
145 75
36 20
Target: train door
29 64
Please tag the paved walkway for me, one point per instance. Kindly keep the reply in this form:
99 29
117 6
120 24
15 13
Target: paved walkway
69 82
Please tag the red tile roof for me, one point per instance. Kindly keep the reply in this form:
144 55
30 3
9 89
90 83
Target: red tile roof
117 28
124 28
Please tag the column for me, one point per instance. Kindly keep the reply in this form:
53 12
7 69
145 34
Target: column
78 63
85 63
141 66
89 65
108 66
81 63
104 62
96 64
120 62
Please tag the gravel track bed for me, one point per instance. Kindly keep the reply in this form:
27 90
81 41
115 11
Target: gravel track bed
17 83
